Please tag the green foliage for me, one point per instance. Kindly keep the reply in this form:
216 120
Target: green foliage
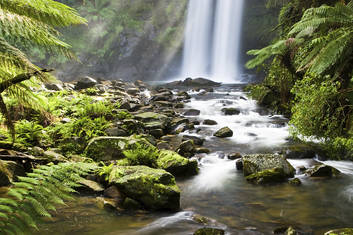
317 110
122 114
142 154
37 194
29 133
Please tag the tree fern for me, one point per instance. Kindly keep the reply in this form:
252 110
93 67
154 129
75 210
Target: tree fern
37 194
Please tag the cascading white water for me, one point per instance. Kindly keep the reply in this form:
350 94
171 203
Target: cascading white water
212 40
197 38
226 43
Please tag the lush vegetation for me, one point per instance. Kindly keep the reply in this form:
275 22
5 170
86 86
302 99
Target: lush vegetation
309 72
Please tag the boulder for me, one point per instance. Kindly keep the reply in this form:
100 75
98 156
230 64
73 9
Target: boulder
209 231
111 148
197 140
153 120
54 156
90 186
9 170
133 91
186 148
202 150
234 156
267 168
116 131
192 112
295 182
300 151
85 82
200 82
340 231
209 122
224 132
239 164
155 189
176 164
54 86
322 171
230 111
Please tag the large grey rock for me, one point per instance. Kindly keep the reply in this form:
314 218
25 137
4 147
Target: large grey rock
322 171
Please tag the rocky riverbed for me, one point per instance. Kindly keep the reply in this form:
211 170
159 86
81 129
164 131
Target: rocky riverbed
195 147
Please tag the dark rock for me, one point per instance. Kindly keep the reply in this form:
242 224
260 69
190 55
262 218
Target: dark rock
209 231
133 91
197 140
202 150
209 122
116 131
192 112
322 171
54 86
179 106
224 132
85 82
300 151
163 145
295 182
113 192
131 204
9 171
230 111
157 133
186 148
234 156
239 164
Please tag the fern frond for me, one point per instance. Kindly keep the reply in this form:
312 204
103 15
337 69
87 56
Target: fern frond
46 11
36 194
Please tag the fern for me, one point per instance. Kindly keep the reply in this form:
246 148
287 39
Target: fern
37 194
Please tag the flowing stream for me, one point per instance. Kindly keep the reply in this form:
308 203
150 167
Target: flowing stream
221 193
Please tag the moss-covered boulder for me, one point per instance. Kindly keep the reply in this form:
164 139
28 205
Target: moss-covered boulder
209 231
8 172
341 231
176 164
111 148
322 171
223 132
267 168
155 189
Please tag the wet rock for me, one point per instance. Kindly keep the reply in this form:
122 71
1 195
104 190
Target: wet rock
224 132
54 86
113 192
186 148
200 82
197 140
155 189
209 122
202 150
300 151
85 82
341 231
148 117
163 145
209 231
90 186
184 95
267 168
133 91
9 170
107 203
164 104
116 131
322 171
295 182
192 112
239 164
111 148
234 156
179 121
230 111
157 133
179 106
176 164
131 204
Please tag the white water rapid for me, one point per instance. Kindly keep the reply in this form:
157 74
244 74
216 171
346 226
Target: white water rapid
212 40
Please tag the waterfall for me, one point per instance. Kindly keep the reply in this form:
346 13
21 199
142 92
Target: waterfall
225 63
197 38
212 40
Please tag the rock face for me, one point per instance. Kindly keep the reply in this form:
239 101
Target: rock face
224 132
111 148
322 171
341 231
176 164
155 189
209 231
267 168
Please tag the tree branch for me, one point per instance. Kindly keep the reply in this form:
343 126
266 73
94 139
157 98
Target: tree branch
20 78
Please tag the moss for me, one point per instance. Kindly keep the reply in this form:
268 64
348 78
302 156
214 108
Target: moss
209 231
275 175
176 164
156 189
